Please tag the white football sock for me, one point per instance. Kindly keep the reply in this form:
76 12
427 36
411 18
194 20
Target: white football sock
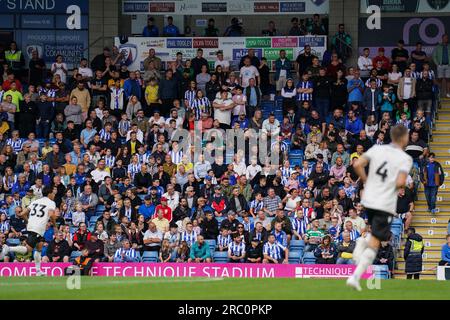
19 249
365 261
37 260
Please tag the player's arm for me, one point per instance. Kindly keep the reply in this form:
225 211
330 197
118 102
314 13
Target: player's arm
401 179
52 216
360 167
25 214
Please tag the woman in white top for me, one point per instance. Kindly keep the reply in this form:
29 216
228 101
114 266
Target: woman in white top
291 201
222 110
59 67
394 77
157 119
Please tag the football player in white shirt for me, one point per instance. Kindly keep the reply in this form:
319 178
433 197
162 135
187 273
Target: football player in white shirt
388 171
38 212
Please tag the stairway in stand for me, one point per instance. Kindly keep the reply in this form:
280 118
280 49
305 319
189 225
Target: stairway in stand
433 227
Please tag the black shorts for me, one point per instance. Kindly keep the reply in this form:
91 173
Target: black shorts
380 223
34 238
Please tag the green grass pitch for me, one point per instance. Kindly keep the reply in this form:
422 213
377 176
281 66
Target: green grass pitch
104 288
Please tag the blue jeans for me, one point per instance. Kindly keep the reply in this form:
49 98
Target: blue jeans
430 195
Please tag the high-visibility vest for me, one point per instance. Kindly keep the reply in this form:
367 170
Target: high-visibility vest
416 246
12 58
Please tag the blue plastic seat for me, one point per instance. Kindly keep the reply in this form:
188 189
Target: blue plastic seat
381 271
212 245
296 245
150 256
309 258
294 257
220 256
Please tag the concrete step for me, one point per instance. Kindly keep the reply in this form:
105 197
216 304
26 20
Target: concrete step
437 221
431 257
440 138
431 232
402 276
425 265
445 133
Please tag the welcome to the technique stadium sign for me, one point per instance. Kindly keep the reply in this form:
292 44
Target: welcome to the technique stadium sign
188 270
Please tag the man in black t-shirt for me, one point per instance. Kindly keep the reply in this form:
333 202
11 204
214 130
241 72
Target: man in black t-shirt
400 56
405 206
416 148
99 87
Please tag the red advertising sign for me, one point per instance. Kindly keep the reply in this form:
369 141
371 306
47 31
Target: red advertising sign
206 43
162 7
266 7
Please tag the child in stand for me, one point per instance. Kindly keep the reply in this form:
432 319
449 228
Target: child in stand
78 216
165 252
240 100
223 239
404 120
124 126
286 128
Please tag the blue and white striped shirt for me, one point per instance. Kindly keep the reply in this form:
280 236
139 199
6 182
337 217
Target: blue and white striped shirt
286 172
133 169
190 238
4 226
431 75
15 144
189 95
300 225
176 156
105 136
223 241
378 81
305 96
256 205
273 250
110 161
200 105
130 254
236 249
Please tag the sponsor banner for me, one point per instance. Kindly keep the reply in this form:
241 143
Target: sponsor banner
287 42
162 7
179 43
245 7
41 6
428 30
239 53
266 6
420 6
258 42
290 7
214 7
50 43
206 43
274 53
175 270
234 48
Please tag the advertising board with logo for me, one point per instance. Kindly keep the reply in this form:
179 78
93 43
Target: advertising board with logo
427 30
197 7
192 270
435 6
136 49
50 27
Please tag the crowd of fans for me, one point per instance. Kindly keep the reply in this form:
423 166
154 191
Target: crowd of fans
101 135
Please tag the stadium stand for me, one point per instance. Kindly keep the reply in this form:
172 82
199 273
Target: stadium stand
104 139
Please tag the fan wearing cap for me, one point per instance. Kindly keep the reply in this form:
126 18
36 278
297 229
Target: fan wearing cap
167 211
254 253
